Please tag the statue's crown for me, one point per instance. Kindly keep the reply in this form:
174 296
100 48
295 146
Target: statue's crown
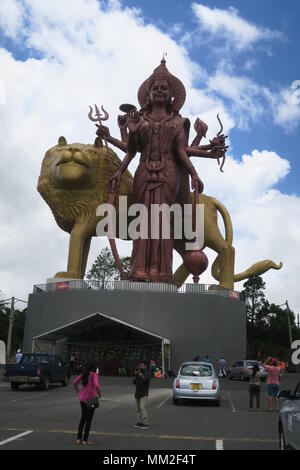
162 73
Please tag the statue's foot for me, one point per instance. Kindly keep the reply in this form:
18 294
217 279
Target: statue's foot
67 275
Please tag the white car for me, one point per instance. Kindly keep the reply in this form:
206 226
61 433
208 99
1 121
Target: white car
289 420
196 381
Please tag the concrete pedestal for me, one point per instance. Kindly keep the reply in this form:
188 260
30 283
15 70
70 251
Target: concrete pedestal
194 323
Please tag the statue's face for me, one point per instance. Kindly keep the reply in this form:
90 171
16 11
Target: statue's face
73 166
160 92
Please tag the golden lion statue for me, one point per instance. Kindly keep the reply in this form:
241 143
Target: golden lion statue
74 182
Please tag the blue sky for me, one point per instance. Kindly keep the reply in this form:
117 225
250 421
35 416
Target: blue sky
236 58
277 64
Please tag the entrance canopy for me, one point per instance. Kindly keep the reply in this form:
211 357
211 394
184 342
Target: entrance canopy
93 323
102 328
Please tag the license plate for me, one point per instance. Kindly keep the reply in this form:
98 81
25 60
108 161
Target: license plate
196 387
20 379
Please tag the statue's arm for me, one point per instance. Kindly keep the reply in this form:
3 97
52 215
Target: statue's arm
120 144
183 157
124 165
206 151
103 133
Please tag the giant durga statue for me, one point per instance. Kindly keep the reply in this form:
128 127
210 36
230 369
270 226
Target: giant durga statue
75 179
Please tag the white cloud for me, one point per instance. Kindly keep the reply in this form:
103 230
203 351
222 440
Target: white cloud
286 109
11 17
266 222
247 99
229 25
91 54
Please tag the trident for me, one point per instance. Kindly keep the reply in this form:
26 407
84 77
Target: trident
112 191
99 118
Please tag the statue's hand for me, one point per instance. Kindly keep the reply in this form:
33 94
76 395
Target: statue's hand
201 127
218 151
114 182
197 181
122 121
134 122
219 141
103 132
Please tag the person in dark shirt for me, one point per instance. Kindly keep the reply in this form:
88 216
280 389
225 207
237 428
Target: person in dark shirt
141 381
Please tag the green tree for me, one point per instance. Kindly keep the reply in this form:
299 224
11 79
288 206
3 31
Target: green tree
256 302
267 324
104 268
18 326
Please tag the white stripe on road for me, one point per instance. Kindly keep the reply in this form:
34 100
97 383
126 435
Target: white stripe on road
219 445
28 398
11 439
164 402
231 402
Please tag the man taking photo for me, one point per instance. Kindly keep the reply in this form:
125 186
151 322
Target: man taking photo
141 381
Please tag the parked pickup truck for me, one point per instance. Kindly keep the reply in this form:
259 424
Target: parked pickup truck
38 369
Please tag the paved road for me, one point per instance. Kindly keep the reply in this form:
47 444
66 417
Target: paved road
31 419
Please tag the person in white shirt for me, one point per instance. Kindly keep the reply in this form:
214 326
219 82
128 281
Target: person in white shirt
19 356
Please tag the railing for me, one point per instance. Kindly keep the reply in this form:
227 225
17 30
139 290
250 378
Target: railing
135 287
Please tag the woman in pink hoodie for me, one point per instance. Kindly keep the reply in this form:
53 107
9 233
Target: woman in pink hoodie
90 390
273 385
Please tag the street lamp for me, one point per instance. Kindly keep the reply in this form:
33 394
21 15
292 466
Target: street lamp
286 304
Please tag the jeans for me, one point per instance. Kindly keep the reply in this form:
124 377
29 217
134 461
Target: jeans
85 422
141 404
254 392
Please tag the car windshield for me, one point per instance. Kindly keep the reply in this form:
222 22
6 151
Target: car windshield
194 370
34 359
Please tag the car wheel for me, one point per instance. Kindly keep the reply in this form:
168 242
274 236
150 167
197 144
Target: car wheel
14 386
243 378
282 444
217 403
175 401
46 384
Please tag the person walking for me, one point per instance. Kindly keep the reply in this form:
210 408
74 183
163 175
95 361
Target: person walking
222 367
255 386
88 395
273 386
141 381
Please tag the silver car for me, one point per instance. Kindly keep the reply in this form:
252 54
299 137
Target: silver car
289 420
196 381
239 370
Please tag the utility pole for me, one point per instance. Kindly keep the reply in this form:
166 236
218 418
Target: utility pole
289 322
10 328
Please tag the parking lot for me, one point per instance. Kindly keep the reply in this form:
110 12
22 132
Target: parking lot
31 419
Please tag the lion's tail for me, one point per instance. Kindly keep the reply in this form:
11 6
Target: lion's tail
215 269
257 269
226 219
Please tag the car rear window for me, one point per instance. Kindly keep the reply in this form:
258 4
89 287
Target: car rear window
252 363
194 370
33 359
